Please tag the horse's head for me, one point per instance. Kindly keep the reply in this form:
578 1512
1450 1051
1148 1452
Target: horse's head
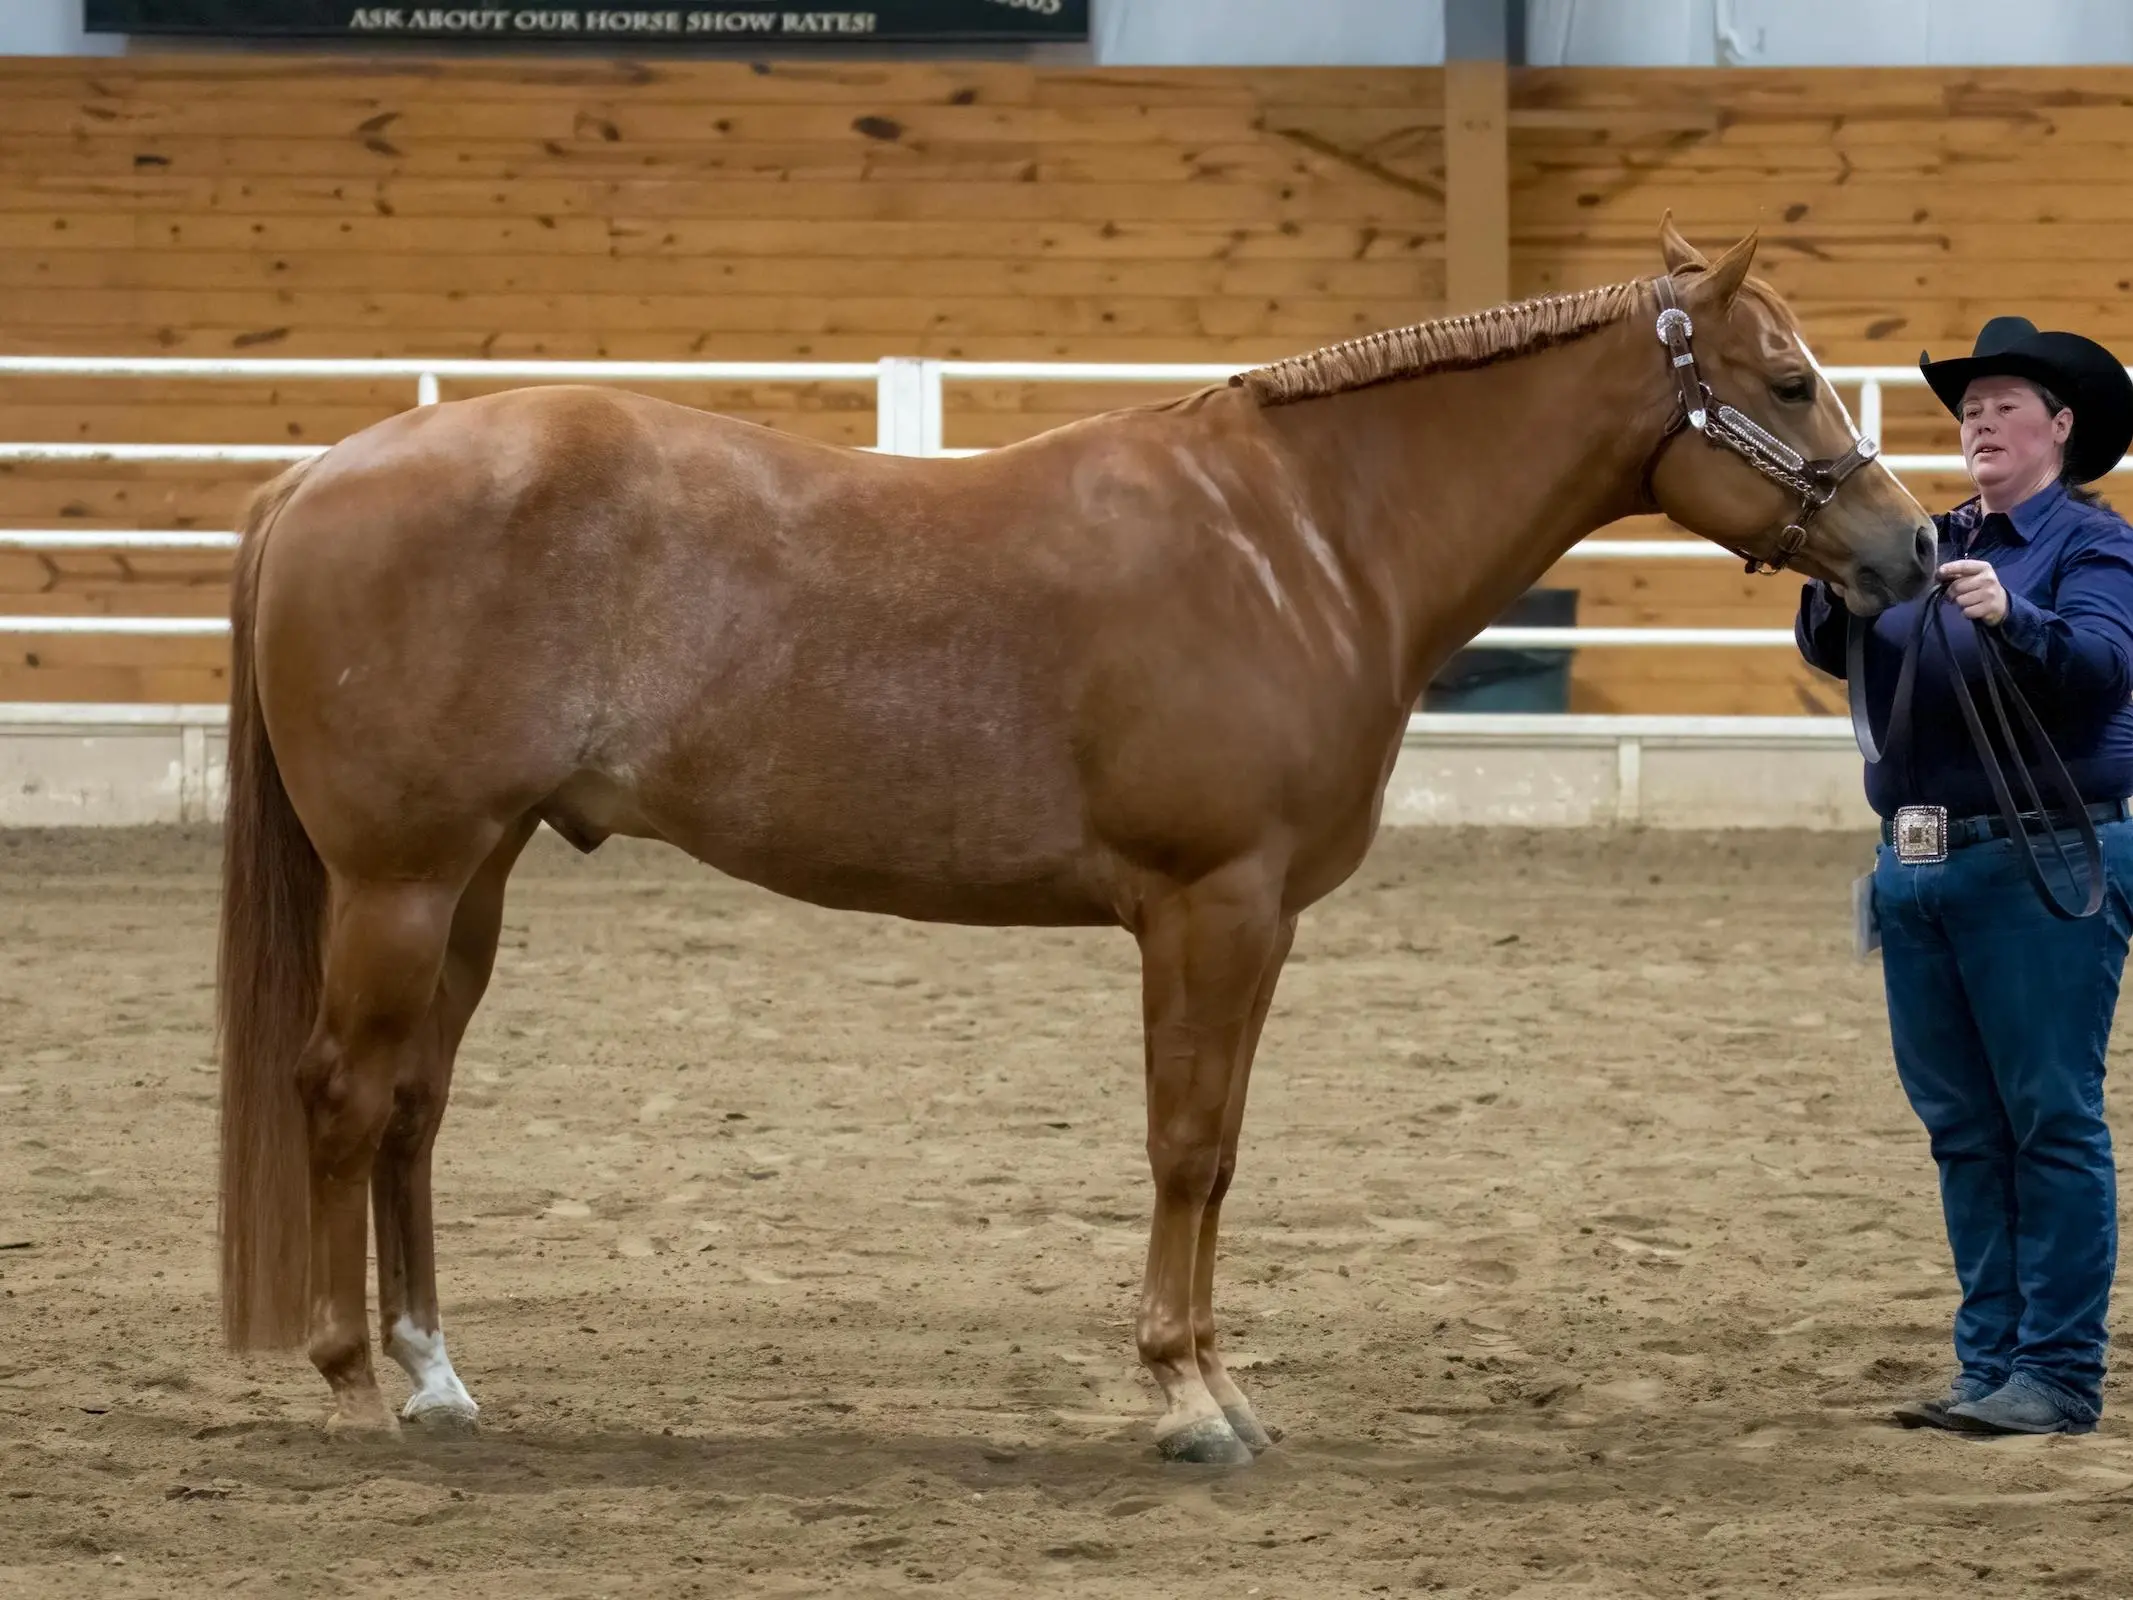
1868 536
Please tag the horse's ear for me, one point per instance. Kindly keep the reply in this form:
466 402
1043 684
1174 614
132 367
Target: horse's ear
1731 271
1677 252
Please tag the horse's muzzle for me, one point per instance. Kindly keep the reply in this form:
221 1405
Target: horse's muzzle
1875 587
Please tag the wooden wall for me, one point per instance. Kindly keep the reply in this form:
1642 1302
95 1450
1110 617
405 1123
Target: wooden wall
278 205
199 205
1898 209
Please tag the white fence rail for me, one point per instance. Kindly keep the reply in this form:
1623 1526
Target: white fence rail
909 404
71 765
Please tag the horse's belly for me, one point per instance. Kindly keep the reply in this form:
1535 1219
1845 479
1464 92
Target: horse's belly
1055 900
995 892
972 853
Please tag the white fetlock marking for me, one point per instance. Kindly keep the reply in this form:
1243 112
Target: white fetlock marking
437 1387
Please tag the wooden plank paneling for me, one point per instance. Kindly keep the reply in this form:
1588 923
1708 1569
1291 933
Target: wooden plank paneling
1477 184
624 122
125 495
894 321
276 239
113 668
103 668
463 277
1897 211
391 80
203 205
317 175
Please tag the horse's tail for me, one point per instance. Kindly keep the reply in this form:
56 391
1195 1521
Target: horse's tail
267 991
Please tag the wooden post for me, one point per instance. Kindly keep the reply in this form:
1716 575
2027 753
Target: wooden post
1477 163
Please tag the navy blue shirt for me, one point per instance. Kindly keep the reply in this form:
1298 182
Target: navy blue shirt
2068 571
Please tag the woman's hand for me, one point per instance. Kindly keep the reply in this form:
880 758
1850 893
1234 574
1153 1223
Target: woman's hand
1975 587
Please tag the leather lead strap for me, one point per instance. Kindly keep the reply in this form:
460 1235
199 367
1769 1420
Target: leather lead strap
1999 681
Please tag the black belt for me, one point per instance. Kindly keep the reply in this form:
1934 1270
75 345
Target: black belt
1991 825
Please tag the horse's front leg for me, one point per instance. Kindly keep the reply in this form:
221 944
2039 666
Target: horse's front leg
1205 952
1242 1419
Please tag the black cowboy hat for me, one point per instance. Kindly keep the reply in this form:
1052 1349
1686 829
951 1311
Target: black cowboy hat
2087 377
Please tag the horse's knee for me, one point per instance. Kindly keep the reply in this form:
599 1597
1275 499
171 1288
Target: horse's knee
1187 1163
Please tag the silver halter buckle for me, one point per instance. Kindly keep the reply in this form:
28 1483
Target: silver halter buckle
1675 330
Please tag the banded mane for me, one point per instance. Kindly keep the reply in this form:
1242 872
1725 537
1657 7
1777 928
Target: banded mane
1477 339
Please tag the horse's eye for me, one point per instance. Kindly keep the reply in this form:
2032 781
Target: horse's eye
1794 391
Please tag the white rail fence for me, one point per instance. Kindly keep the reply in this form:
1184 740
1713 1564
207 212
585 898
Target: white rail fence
114 765
72 764
909 401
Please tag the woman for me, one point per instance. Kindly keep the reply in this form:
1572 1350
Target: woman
2000 1012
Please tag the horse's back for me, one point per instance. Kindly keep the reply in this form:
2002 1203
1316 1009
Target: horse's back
652 620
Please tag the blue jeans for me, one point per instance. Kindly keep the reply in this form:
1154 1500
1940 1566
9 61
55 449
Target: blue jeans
2000 1014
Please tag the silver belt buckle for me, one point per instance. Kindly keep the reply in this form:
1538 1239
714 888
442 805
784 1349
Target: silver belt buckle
1921 834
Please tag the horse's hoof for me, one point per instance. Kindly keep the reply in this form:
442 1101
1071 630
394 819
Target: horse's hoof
1209 1442
361 1415
442 1418
1253 1434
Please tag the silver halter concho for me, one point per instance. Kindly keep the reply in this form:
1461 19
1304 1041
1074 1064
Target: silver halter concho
1815 482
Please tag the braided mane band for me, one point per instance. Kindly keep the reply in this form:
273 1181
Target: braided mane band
1478 339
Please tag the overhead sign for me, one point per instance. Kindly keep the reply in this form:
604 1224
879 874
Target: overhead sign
891 21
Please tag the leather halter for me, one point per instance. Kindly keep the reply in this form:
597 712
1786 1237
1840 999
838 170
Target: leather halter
1814 482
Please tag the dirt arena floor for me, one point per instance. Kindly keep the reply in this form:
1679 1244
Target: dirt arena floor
1580 1242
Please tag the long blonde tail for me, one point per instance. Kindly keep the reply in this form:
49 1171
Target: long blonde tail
267 989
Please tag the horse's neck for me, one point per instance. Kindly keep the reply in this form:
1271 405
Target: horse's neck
1457 491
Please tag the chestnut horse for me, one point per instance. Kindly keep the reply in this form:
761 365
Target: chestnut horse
1148 670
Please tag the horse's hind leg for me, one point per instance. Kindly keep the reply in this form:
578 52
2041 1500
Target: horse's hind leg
1220 1384
409 1325
385 946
